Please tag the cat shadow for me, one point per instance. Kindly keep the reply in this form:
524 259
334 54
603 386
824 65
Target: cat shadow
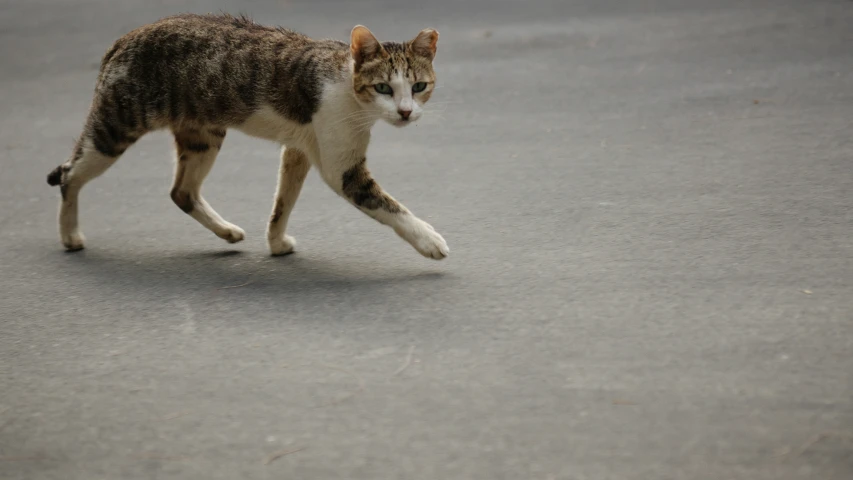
216 254
254 275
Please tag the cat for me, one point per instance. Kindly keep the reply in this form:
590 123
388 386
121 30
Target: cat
199 75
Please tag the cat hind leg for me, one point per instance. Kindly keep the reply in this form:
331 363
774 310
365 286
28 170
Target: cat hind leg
196 151
103 141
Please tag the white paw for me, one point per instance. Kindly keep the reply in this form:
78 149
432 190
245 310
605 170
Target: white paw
282 246
232 234
427 241
73 241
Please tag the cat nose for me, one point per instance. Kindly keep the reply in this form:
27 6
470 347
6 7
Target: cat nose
404 113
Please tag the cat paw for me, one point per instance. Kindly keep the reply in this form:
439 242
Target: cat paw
282 246
232 234
429 243
73 241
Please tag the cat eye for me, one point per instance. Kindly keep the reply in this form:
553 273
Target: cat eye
419 87
383 88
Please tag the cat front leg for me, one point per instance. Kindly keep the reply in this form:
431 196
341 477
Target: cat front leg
292 172
351 179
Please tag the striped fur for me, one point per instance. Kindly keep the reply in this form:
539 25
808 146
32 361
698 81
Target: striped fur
200 75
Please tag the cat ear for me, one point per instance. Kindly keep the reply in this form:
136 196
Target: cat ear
363 45
424 43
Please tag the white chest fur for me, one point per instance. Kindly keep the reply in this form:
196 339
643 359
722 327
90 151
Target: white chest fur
268 124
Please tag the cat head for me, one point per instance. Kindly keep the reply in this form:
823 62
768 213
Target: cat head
393 79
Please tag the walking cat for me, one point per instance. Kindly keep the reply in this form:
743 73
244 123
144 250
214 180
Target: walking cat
199 75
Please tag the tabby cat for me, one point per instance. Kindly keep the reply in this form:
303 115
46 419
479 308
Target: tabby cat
199 75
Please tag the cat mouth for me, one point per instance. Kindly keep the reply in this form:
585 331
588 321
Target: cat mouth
402 122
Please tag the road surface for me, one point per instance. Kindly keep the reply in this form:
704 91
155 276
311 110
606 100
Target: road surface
649 211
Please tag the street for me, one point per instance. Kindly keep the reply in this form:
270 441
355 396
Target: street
649 212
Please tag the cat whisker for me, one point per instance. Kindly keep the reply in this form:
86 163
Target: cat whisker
354 118
357 114
349 118
432 117
362 125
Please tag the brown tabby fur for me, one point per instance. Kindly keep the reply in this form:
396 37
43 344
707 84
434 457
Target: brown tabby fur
199 75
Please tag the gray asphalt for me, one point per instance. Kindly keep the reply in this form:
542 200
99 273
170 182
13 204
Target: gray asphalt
648 206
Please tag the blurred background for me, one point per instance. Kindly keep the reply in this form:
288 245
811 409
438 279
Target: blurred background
648 205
